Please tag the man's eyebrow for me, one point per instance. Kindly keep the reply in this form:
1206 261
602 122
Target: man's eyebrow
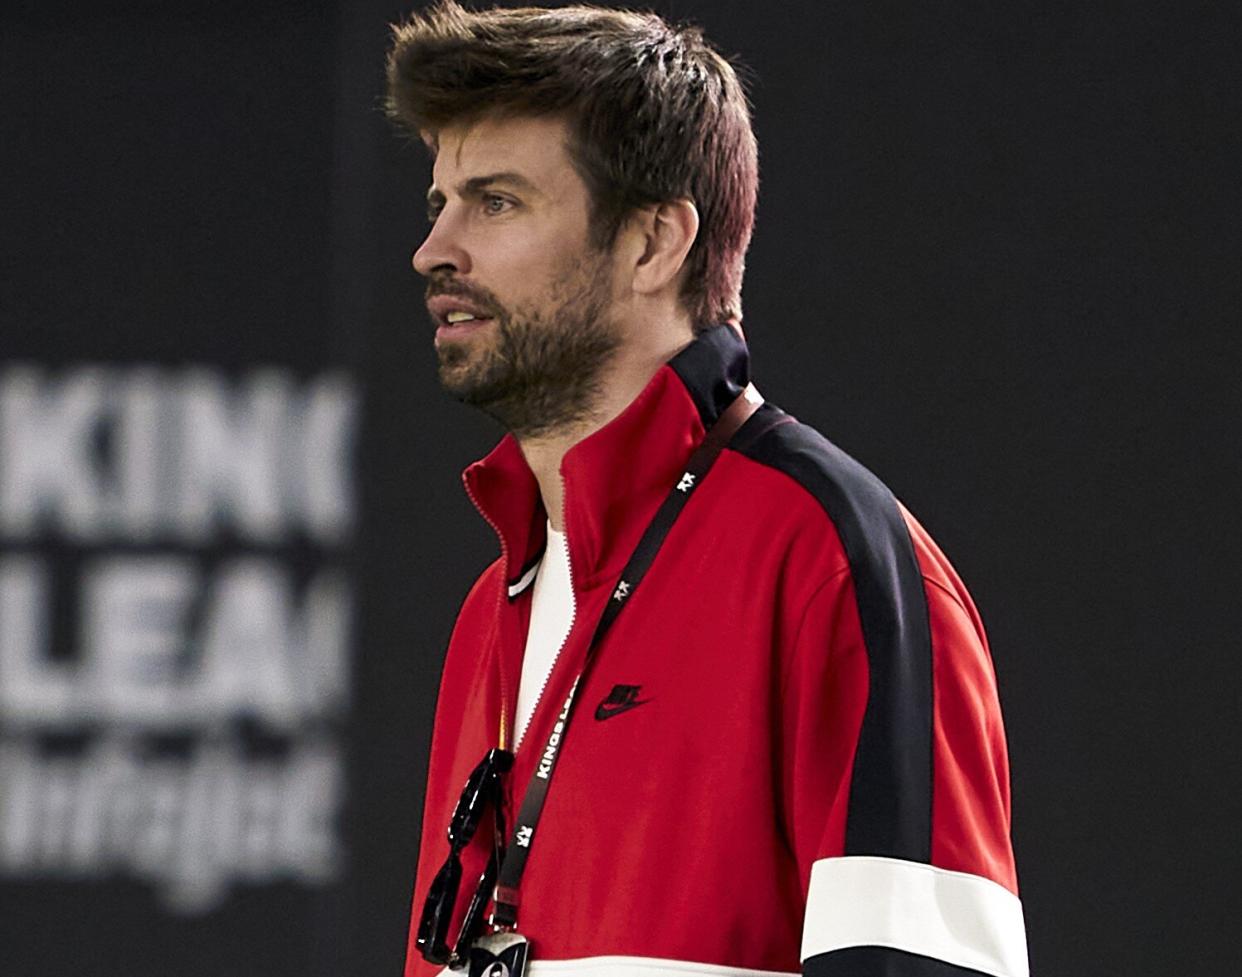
477 184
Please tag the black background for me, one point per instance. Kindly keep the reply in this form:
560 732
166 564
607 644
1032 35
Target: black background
996 260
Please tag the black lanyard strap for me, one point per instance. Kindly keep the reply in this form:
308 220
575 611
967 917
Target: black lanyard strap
504 915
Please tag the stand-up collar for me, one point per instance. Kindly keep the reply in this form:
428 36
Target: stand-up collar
616 478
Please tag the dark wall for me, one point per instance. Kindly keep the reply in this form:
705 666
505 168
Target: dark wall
996 260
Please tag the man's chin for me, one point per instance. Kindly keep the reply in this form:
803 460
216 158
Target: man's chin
465 381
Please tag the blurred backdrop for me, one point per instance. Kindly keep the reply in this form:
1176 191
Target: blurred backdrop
996 259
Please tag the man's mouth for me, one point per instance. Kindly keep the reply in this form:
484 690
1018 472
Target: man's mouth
456 315
456 325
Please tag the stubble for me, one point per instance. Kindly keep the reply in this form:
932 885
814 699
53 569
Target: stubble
541 371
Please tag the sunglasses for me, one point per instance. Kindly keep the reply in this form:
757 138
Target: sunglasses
483 790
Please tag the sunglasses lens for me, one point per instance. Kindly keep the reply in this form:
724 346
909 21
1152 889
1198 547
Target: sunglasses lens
470 807
480 787
437 911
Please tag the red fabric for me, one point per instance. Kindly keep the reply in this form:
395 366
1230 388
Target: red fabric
686 828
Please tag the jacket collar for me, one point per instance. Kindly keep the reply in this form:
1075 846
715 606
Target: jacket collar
616 478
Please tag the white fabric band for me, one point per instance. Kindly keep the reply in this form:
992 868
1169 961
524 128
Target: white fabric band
961 919
635 967
524 581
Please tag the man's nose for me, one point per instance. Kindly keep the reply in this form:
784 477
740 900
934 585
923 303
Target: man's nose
441 251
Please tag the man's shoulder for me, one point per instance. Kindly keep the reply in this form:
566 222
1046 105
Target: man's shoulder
879 537
813 472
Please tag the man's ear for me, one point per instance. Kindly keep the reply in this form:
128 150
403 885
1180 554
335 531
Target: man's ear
669 231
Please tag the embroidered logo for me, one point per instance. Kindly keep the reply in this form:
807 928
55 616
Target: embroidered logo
622 591
620 699
686 483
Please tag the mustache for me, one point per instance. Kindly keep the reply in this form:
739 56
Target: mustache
475 294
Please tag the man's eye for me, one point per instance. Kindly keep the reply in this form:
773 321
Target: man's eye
493 204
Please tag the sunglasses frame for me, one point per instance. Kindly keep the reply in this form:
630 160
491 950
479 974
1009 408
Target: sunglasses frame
483 789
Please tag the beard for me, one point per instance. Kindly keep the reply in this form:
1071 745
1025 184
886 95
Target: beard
540 369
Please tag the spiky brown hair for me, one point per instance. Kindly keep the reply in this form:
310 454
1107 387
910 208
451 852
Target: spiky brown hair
656 114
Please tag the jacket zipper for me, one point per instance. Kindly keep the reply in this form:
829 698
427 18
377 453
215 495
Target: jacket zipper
573 616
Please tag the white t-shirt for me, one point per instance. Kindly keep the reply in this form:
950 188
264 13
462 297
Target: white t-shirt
551 617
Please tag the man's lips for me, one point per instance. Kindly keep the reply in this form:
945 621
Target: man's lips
451 332
452 311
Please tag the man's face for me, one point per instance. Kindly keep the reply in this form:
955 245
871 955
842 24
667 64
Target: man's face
521 301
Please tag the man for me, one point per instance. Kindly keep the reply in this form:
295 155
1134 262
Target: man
736 711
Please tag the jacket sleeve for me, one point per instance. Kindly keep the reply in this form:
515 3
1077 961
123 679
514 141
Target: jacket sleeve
895 781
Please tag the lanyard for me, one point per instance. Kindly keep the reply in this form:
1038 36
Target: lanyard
727 425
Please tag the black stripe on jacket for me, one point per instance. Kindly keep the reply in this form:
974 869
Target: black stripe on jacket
881 961
891 790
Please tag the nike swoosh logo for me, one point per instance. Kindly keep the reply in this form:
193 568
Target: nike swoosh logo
604 711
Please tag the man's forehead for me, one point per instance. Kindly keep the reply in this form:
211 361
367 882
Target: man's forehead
535 148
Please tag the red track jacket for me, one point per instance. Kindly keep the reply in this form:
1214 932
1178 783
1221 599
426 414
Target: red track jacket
815 780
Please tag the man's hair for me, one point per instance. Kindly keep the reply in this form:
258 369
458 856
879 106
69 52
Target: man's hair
655 115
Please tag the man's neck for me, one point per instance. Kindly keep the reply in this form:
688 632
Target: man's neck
625 381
